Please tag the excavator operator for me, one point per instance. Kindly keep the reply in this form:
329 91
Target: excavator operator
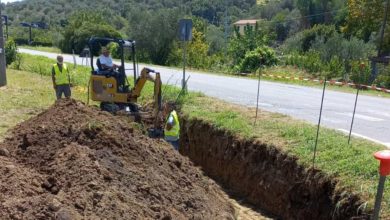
107 67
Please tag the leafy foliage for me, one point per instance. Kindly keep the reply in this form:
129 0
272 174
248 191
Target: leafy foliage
252 38
11 51
155 33
364 20
82 26
253 60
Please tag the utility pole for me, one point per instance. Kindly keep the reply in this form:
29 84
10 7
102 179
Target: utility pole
383 28
3 78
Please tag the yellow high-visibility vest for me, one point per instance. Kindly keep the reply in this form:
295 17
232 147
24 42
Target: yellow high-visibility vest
175 131
62 78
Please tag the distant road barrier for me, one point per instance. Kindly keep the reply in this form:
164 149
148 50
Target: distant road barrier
331 82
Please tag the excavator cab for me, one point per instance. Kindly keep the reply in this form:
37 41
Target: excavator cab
112 89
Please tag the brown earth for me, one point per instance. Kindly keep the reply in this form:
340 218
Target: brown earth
265 176
76 162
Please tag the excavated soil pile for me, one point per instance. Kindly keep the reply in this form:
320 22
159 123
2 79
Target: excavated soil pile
75 162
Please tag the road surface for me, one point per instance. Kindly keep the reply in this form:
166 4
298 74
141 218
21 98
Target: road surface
372 115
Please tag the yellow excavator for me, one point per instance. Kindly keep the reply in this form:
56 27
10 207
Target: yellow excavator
111 88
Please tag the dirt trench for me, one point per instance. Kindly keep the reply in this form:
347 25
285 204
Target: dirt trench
266 177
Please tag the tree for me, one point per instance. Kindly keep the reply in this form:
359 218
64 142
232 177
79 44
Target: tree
252 38
365 18
155 33
215 39
82 26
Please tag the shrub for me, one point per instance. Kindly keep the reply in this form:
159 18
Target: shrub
335 68
17 64
360 74
114 50
310 61
11 51
303 41
253 60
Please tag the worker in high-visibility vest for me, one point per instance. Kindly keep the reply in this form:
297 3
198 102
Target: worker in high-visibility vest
61 78
172 126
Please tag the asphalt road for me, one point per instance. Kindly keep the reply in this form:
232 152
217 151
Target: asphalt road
372 115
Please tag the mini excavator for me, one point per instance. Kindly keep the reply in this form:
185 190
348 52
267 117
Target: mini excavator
111 87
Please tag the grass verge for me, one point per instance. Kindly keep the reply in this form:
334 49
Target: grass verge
354 166
25 96
41 48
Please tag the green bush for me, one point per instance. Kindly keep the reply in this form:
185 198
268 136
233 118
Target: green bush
360 74
335 68
11 51
114 50
241 44
253 60
310 35
310 61
303 41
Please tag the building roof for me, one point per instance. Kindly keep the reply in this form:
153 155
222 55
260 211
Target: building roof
245 22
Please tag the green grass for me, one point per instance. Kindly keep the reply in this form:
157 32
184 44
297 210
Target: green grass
353 165
25 96
41 48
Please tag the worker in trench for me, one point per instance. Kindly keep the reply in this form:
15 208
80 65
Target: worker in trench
172 125
61 78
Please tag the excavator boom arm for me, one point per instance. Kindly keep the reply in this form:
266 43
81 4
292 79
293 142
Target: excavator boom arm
140 83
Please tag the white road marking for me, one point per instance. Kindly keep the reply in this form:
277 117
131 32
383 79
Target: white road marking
381 113
263 104
335 121
365 137
363 117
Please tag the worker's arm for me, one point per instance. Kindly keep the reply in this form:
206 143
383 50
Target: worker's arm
53 77
104 66
170 122
70 84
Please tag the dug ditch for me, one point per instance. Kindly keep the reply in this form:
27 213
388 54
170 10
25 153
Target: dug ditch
266 177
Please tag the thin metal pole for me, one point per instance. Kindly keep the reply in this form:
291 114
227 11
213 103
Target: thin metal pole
3 77
258 97
353 116
319 123
182 91
184 65
135 75
6 28
378 199
30 35
74 60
